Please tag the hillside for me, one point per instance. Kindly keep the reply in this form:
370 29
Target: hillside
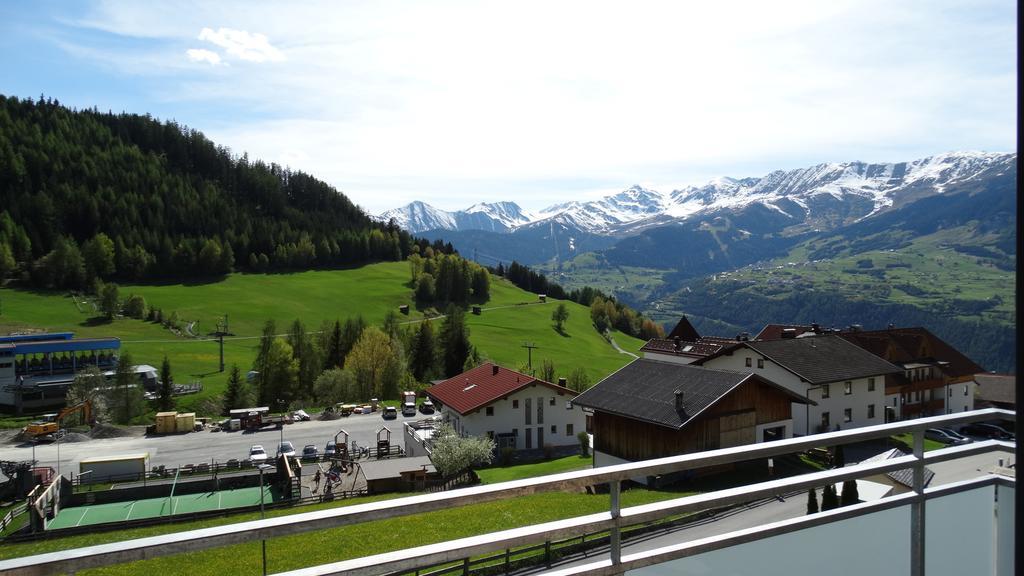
314 296
85 194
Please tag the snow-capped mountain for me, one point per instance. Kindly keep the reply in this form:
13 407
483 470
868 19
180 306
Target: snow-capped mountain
824 195
419 217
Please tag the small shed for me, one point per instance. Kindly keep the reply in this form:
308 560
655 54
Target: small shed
185 422
165 422
543 297
476 310
397 474
404 309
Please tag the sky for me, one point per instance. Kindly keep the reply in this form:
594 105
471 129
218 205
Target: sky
454 103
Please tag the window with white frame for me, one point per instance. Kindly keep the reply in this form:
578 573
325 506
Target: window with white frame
847 387
824 390
847 414
871 410
871 384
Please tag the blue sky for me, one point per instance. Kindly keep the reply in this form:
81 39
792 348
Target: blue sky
536 102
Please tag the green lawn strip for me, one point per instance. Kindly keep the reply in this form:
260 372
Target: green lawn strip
906 442
250 299
292 552
506 473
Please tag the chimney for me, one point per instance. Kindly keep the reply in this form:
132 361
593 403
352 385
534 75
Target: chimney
676 343
743 337
562 382
789 332
494 370
815 327
679 400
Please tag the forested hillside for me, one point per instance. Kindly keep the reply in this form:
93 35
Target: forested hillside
86 195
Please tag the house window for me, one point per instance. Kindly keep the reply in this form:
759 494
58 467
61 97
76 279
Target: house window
950 392
847 414
965 389
515 403
825 421
568 429
554 429
552 402
528 410
540 411
871 384
760 362
847 387
824 390
515 431
749 363
917 396
871 410
490 410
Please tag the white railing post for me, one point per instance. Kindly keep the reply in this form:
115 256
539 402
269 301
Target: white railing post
917 520
615 534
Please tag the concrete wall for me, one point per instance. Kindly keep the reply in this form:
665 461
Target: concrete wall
669 358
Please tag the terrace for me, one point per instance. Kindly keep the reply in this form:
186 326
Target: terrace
960 527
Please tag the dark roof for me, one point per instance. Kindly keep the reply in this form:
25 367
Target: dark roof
904 476
697 349
775 331
916 344
482 385
821 359
646 390
1001 388
684 331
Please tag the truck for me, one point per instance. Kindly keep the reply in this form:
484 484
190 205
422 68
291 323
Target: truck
408 403
50 423
255 420
123 467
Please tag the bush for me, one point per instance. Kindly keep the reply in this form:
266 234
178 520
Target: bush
584 440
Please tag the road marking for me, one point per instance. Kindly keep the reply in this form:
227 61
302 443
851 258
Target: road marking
82 517
220 496
130 508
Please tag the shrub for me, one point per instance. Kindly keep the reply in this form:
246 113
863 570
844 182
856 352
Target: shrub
584 440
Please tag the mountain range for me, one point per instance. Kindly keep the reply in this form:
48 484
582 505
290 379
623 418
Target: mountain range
813 199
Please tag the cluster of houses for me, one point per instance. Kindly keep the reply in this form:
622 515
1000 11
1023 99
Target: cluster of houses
690 393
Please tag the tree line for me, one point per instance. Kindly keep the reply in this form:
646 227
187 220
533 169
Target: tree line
88 195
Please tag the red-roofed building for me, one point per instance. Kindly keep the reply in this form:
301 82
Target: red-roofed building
517 410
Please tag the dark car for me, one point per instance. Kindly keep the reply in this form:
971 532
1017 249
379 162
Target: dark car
940 435
331 450
389 413
957 435
309 452
427 407
983 430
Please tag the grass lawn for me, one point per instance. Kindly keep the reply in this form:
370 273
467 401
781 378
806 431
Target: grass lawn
505 473
292 552
250 299
906 442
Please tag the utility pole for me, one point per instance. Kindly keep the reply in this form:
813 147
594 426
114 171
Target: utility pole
529 355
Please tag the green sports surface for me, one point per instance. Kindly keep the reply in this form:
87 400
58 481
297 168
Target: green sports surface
156 507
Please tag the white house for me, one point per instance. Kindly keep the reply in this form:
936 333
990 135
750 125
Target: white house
517 410
846 382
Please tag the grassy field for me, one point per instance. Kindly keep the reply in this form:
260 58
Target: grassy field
249 300
506 473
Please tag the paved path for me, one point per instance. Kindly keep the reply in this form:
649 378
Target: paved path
619 349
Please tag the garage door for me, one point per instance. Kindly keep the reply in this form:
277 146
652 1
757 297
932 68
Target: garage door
737 429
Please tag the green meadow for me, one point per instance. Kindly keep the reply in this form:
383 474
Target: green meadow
509 319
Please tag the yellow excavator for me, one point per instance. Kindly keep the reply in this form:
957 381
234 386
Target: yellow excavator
51 422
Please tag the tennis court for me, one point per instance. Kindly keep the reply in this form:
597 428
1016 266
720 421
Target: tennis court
156 507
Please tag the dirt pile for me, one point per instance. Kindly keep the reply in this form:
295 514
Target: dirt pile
106 431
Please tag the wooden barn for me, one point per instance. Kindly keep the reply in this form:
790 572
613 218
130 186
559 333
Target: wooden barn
652 409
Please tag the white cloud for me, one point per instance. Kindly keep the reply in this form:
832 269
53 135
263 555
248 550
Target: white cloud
203 55
253 47
452 102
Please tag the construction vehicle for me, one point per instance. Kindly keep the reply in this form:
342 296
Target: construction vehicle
50 423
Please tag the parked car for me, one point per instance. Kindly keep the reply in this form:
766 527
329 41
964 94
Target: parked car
389 413
988 431
257 454
940 435
310 452
957 435
427 407
331 450
408 409
286 449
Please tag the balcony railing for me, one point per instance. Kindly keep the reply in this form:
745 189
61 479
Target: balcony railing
612 520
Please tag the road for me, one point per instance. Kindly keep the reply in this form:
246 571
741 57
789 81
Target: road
196 447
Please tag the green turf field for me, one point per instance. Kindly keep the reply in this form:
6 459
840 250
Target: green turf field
156 507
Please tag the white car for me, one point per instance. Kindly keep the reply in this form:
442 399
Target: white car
257 454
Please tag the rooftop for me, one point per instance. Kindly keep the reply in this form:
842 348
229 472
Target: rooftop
488 382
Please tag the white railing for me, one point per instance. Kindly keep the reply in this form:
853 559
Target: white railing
612 520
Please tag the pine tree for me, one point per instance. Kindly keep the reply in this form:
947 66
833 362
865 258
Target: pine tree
850 495
829 499
234 393
423 359
166 386
455 345
812 501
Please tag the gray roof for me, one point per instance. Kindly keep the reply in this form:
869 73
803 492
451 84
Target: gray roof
904 476
997 388
645 390
823 359
393 467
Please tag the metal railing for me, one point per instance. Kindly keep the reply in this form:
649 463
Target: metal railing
612 520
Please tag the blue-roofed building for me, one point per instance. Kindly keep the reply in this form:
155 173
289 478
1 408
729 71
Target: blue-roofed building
36 369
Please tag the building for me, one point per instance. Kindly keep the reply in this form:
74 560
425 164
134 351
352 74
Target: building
516 410
397 474
652 409
846 382
995 391
36 369
684 345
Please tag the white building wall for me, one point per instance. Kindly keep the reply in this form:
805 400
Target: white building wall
858 401
669 358
509 415
960 397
